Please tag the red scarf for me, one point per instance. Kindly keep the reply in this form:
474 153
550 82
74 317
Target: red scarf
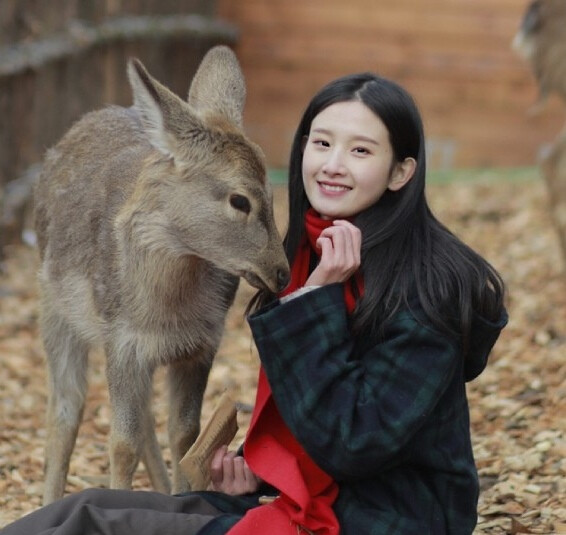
272 452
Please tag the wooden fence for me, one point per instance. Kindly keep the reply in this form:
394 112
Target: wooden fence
454 56
61 58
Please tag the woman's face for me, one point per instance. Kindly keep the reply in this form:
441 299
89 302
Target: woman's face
347 161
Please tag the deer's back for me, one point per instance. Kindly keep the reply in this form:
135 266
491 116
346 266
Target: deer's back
85 179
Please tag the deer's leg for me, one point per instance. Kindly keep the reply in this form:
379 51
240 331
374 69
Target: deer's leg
153 459
67 361
129 387
187 382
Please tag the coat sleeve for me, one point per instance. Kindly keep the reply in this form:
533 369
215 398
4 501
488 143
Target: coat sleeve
352 413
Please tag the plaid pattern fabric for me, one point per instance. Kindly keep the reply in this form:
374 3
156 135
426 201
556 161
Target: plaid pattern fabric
387 419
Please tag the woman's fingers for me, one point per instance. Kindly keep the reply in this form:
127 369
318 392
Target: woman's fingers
347 240
229 473
239 471
251 479
340 257
216 466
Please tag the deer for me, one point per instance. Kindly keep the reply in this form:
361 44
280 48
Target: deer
541 41
146 218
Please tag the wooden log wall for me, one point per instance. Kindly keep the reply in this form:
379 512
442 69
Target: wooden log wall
61 58
454 56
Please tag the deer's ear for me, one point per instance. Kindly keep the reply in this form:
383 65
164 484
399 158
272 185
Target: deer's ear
161 111
218 85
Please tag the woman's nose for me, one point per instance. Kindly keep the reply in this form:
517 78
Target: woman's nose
334 164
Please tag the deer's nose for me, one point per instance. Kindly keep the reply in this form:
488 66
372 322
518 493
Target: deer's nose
283 278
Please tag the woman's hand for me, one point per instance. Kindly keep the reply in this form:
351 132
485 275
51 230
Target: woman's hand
341 254
230 474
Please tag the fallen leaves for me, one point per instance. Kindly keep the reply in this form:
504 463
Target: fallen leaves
517 406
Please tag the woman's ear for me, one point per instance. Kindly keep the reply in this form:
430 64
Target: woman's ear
402 173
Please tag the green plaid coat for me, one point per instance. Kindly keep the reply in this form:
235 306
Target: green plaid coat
387 419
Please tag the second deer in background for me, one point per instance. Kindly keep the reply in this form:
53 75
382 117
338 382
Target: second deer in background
541 40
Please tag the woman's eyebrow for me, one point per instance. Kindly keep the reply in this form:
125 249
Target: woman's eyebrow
365 138
321 131
356 137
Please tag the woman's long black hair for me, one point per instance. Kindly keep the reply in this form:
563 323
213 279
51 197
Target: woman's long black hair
408 257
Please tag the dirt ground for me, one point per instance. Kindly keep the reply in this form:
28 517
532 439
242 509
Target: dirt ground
518 405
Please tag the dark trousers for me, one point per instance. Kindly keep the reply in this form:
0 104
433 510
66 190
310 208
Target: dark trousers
117 512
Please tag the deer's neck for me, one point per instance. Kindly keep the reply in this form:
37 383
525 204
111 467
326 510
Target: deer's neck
162 284
175 285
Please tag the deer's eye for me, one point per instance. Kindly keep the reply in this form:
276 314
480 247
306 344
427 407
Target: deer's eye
241 203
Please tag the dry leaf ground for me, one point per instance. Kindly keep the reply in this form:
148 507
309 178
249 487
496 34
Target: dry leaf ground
518 405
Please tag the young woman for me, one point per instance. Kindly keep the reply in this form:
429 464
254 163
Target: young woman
361 420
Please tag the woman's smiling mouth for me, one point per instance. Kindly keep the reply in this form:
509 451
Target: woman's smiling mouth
333 188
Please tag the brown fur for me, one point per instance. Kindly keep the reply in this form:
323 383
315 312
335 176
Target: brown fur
542 42
553 166
143 229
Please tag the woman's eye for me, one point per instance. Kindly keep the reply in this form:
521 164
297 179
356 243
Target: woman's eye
361 150
321 142
240 203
